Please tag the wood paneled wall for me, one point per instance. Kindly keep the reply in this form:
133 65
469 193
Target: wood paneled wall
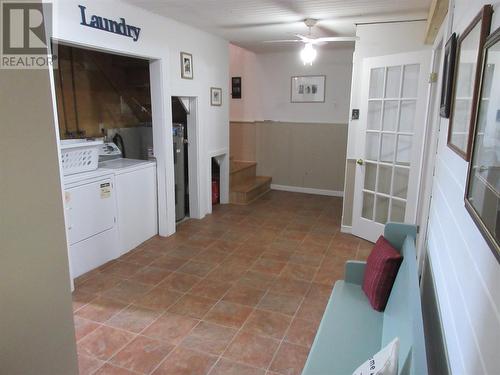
242 141
97 91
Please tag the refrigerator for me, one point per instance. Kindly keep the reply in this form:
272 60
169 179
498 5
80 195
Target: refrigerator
179 171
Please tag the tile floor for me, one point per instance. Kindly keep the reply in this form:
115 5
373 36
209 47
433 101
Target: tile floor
240 292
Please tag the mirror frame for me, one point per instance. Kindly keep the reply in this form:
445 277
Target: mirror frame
484 19
494 245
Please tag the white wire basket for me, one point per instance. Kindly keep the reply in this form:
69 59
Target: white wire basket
79 155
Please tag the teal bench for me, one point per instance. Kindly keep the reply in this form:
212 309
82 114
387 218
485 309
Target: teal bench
351 331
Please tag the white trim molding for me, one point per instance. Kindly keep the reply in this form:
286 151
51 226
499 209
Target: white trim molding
240 121
220 152
298 189
346 229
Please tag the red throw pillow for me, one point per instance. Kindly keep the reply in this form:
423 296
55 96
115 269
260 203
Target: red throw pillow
381 270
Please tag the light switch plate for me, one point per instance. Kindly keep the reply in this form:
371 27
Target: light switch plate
355 114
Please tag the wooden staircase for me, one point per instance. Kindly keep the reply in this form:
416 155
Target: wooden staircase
244 184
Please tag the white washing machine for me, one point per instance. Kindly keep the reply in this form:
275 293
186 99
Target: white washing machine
136 198
109 211
91 225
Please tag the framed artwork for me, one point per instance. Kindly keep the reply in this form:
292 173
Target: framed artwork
236 87
467 76
482 193
215 96
186 65
450 52
308 89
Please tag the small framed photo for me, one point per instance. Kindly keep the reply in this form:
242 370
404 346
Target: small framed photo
186 65
466 86
236 87
308 89
216 96
450 52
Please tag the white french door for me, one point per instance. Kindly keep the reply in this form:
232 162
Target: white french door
392 121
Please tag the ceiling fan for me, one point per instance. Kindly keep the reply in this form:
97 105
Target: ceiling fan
308 54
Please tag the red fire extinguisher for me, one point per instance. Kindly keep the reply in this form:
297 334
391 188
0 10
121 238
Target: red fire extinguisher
215 192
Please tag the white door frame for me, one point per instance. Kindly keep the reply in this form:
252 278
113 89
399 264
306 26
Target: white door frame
430 149
195 163
369 229
195 210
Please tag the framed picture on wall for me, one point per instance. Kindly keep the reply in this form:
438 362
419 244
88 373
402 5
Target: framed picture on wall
450 52
186 65
236 87
215 96
466 86
482 194
308 89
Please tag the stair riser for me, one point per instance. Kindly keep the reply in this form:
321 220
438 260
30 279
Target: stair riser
254 194
242 176
248 197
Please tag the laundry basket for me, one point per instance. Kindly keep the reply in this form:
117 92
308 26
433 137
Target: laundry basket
79 155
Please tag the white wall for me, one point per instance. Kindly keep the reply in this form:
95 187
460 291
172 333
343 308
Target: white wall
314 164
266 80
466 273
163 39
277 70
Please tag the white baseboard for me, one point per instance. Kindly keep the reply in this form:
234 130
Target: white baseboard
297 189
346 229
242 121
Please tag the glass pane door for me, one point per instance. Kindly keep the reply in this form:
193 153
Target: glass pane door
392 105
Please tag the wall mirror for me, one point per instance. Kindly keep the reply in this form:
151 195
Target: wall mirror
482 197
467 77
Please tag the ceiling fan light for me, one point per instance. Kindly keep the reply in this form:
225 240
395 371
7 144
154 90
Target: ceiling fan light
308 54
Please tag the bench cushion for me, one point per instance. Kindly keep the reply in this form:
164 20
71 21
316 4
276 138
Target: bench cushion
348 335
381 270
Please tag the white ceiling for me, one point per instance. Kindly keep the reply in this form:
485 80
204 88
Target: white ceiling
249 22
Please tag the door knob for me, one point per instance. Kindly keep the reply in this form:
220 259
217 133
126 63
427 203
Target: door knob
360 162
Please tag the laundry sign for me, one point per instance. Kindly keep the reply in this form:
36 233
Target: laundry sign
119 27
105 190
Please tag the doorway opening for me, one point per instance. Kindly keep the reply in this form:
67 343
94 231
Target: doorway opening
215 182
180 133
106 95
218 163
186 171
105 125
429 153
